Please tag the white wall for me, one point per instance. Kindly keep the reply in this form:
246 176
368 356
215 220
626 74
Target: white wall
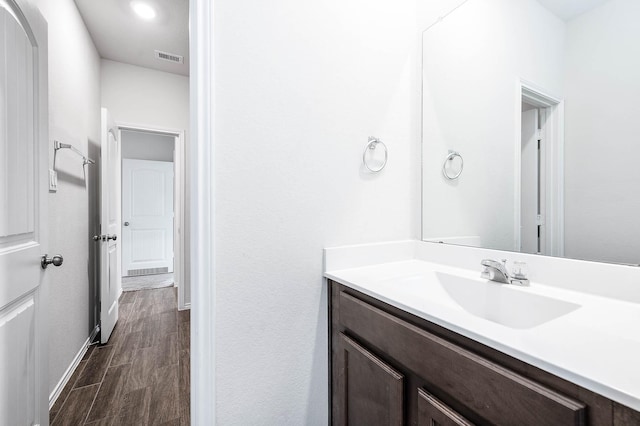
144 97
602 150
299 88
147 146
473 63
74 108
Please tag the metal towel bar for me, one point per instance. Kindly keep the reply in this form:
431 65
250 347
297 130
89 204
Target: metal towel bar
59 145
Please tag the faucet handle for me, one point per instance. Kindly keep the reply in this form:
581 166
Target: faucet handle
504 266
486 273
520 269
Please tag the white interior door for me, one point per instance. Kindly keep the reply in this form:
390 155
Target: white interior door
529 189
110 263
23 215
147 214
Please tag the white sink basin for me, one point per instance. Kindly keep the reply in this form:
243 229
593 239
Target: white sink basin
502 303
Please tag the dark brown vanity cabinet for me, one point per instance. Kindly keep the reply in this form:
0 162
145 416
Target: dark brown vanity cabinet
432 411
389 367
373 391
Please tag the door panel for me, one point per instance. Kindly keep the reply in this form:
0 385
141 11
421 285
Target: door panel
23 214
110 263
143 248
17 334
147 210
529 183
368 391
113 290
433 412
113 178
18 120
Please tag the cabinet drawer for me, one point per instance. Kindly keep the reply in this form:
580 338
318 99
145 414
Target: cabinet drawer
490 392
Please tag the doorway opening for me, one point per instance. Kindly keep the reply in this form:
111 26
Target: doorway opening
532 180
152 209
540 175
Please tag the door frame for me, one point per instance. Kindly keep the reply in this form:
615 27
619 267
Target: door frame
202 211
552 134
179 187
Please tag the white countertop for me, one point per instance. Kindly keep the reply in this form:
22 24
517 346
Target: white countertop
596 346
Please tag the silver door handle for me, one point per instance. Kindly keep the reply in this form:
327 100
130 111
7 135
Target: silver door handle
126 224
56 260
105 237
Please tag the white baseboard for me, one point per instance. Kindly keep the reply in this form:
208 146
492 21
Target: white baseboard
186 306
67 374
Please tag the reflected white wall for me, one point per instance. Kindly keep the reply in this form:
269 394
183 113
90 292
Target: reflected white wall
474 61
602 128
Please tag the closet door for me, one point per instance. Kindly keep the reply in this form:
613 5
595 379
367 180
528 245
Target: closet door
147 216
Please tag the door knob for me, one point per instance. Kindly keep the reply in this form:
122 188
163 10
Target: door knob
126 224
56 260
105 237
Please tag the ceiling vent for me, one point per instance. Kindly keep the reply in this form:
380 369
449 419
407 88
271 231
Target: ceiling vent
170 57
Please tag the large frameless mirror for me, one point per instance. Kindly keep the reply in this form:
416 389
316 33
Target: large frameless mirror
531 128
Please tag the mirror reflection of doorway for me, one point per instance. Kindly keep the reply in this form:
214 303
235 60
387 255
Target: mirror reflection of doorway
540 174
531 181
147 210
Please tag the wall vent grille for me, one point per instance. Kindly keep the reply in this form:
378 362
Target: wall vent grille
169 57
149 271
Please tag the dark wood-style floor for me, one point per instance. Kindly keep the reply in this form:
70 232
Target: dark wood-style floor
141 377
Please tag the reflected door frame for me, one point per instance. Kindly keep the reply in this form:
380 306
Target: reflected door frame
552 135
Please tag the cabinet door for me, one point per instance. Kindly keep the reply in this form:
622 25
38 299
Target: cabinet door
366 391
489 390
433 412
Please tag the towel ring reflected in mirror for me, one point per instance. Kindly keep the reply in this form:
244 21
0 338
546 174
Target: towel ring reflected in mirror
450 157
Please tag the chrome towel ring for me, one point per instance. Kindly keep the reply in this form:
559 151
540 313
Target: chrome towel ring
370 147
450 157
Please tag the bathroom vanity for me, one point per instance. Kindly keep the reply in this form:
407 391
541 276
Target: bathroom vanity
518 163
410 344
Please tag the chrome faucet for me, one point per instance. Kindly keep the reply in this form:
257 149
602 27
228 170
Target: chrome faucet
497 271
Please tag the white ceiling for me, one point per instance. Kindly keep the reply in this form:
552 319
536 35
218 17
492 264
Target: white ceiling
569 9
121 36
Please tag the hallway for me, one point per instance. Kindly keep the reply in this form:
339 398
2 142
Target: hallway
141 377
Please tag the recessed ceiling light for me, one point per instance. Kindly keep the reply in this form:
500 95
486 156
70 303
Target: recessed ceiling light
143 10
